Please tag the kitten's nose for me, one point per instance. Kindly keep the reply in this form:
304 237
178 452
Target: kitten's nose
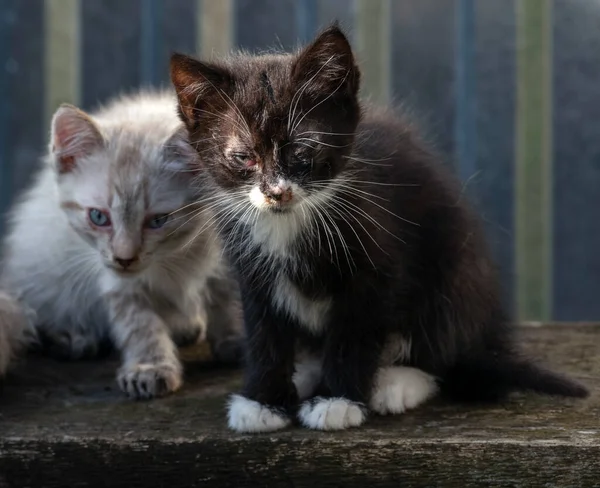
125 263
279 193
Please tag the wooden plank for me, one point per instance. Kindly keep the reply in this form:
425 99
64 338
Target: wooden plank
151 41
67 425
465 128
374 41
215 27
7 21
576 168
62 56
110 36
306 13
534 160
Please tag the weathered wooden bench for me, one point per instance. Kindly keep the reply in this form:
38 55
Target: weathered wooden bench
67 425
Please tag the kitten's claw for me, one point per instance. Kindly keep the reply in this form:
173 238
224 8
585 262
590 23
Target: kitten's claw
331 413
145 381
248 416
399 388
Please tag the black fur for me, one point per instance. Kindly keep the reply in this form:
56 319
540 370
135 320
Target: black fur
417 263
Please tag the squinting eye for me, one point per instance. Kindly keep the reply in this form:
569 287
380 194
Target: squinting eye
98 217
157 221
243 159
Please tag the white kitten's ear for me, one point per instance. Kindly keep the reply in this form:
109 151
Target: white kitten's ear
74 135
180 156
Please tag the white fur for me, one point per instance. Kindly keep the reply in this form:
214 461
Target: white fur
400 388
307 375
62 267
311 314
331 414
248 416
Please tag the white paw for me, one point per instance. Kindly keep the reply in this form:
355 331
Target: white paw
400 388
146 380
245 415
307 376
331 414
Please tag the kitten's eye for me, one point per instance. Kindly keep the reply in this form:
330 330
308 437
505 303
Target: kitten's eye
243 159
157 221
98 217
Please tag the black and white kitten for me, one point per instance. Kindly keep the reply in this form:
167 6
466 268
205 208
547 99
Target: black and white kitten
358 258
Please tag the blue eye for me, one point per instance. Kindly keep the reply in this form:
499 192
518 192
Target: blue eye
98 217
157 221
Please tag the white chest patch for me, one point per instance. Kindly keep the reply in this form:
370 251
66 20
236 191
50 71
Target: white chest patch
276 233
287 298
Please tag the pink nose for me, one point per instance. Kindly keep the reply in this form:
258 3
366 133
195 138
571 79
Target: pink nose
279 193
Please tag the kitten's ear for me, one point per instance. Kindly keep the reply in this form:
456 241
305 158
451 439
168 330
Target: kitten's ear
179 155
74 135
197 84
327 65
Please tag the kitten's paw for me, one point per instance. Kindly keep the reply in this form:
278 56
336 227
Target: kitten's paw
307 376
248 416
399 388
70 345
230 350
331 413
146 380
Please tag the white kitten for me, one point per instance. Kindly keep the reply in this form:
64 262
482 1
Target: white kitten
112 240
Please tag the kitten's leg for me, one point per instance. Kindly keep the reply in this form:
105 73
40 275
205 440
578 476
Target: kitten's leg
225 323
269 394
150 366
350 361
400 388
307 375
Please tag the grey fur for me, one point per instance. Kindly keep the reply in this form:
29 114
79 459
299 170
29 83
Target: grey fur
132 159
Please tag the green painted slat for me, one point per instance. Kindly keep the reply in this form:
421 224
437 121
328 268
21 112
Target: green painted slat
374 41
62 60
215 27
534 160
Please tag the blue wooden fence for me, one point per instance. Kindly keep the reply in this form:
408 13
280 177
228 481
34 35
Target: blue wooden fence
453 64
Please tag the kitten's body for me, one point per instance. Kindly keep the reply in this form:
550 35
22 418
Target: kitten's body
16 330
355 251
131 158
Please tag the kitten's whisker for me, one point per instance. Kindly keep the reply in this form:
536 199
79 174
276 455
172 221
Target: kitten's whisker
348 134
321 102
320 143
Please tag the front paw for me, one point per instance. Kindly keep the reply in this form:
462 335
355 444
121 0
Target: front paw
70 344
147 380
249 416
323 413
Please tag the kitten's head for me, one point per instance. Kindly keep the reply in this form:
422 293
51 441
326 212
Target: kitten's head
124 180
273 128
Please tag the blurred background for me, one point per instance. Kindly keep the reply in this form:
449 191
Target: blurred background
508 91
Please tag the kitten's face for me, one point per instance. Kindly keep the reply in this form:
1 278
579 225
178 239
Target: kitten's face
124 193
274 130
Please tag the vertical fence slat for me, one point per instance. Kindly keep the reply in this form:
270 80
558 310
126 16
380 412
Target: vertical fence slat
466 99
215 27
306 19
7 20
62 60
151 33
534 160
373 37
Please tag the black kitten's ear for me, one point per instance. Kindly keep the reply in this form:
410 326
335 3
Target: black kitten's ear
327 65
197 85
